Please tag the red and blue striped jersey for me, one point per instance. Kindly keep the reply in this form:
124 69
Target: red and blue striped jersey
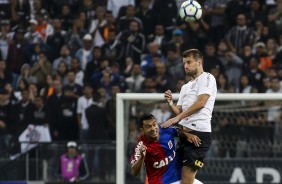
161 161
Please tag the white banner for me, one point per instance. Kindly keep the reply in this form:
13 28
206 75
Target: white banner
33 134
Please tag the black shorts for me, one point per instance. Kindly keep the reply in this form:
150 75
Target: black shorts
193 156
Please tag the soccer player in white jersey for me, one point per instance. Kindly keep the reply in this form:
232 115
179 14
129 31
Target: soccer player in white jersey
194 111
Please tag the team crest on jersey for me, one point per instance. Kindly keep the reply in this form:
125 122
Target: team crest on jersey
193 85
170 145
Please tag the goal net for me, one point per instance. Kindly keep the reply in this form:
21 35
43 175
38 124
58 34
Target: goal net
247 132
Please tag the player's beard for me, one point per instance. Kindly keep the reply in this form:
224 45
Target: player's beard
192 73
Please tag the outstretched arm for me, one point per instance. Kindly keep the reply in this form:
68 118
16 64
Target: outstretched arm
198 105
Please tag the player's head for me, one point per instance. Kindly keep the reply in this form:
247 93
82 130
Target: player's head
193 61
72 148
149 126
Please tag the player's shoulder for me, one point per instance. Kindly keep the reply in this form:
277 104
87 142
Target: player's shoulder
207 76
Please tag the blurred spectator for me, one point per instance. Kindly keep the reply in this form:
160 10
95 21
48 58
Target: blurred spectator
222 84
149 86
211 59
162 113
17 53
159 37
66 17
174 66
71 84
64 57
67 124
233 65
124 21
116 5
6 37
275 17
97 118
33 91
56 39
147 63
98 28
134 82
133 41
166 13
111 112
179 42
54 104
161 77
94 65
61 72
255 12
48 89
6 119
79 74
38 113
113 49
179 84
246 55
255 75
37 8
265 61
43 27
147 17
240 35
41 69
84 54
20 111
129 63
244 86
79 29
32 36
104 98
214 9
73 166
272 48
5 75
89 8
11 93
5 8
21 84
82 103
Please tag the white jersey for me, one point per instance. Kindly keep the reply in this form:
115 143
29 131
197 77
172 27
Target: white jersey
201 120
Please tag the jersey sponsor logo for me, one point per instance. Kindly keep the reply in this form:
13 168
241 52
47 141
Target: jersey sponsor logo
170 145
198 163
164 162
137 152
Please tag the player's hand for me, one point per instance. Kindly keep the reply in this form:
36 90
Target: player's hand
170 122
193 139
142 150
168 96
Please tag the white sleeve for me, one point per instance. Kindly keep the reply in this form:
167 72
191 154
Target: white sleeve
79 106
206 84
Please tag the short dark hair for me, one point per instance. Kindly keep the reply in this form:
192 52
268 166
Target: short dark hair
195 53
143 118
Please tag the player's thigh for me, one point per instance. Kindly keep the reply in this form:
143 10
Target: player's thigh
192 155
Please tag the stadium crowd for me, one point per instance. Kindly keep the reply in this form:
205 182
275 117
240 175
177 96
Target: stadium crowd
62 62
